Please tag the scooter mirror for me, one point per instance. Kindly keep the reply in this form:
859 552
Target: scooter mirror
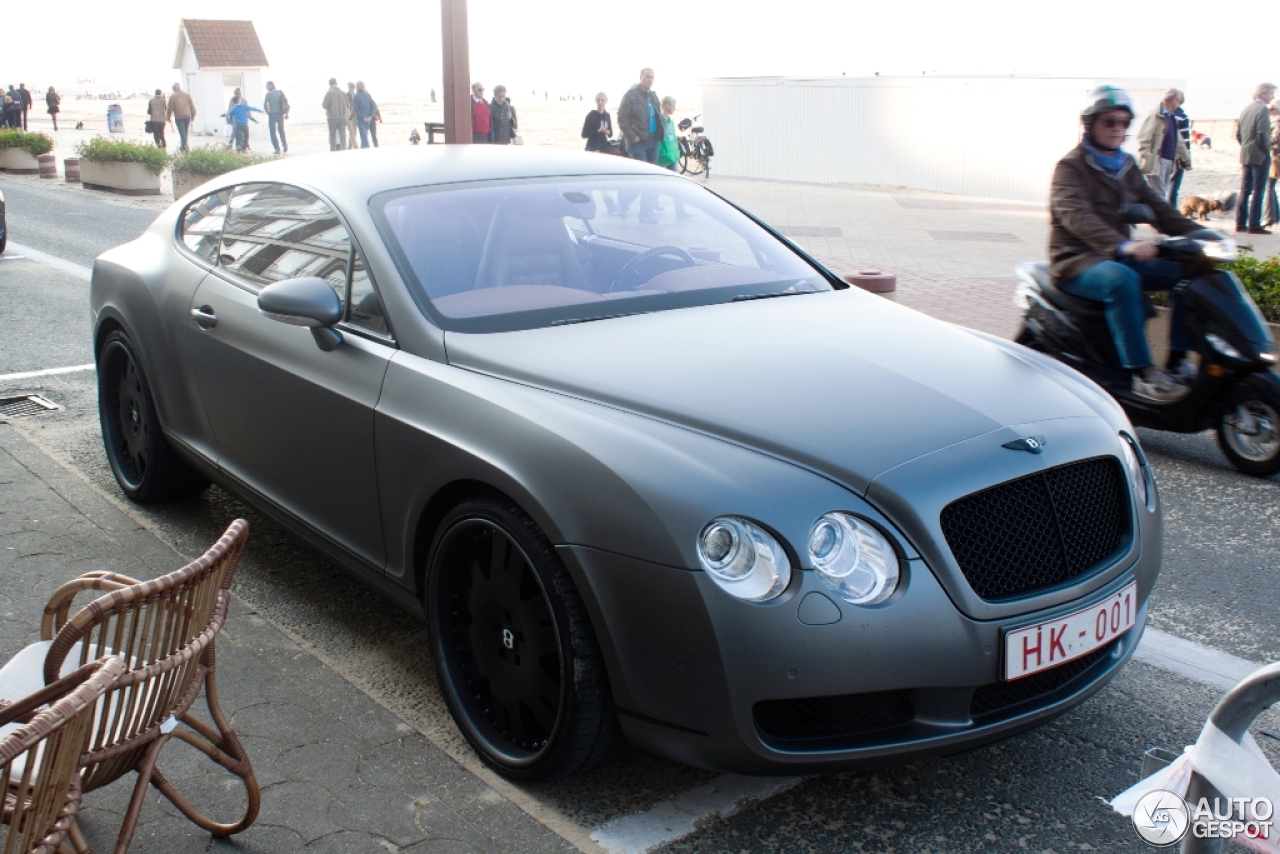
1137 214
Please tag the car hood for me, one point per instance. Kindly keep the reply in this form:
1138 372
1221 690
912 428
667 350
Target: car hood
843 383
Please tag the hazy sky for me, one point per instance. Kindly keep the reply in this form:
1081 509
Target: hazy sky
581 46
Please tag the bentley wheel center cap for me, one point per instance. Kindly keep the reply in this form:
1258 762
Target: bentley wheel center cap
508 638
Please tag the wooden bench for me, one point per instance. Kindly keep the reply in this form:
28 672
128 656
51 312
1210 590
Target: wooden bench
433 128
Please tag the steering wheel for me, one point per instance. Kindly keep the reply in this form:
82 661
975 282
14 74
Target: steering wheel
632 267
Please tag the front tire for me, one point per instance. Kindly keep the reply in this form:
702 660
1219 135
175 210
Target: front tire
1249 427
690 164
514 653
142 460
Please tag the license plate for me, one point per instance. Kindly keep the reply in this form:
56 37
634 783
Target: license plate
1035 648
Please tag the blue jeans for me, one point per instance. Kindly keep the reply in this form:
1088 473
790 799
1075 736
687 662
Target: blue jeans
275 124
1175 184
1253 184
241 135
363 125
183 124
1119 284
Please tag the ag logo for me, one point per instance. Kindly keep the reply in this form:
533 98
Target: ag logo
508 639
1034 444
1161 818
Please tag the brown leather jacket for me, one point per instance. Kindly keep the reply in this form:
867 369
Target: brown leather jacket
1085 207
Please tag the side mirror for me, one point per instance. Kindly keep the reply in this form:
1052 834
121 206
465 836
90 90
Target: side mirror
1137 214
309 302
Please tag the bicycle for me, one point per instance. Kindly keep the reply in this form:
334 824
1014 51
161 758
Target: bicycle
695 149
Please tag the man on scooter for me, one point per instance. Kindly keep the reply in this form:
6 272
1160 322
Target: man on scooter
1091 252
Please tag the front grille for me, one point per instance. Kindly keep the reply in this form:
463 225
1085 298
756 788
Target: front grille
812 719
1037 531
1003 695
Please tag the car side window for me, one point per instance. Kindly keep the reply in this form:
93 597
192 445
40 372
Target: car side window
202 224
276 232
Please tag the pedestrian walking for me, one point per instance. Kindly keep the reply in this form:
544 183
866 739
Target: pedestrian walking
157 115
1272 215
1184 130
182 109
351 115
502 117
336 110
433 96
480 124
669 148
27 101
276 106
640 117
52 101
1253 132
597 128
1160 146
240 118
363 107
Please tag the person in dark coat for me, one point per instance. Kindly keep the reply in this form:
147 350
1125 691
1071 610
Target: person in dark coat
26 101
1092 253
1253 132
597 128
502 117
12 113
52 101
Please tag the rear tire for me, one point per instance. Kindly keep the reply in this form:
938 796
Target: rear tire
690 164
142 460
514 653
1249 427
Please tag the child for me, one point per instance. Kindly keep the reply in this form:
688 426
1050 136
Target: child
414 139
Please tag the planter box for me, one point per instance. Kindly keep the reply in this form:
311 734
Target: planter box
18 161
183 182
126 178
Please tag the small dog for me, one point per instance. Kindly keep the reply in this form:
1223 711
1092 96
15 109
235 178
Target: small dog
1200 207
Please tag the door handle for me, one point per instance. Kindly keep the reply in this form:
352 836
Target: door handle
205 317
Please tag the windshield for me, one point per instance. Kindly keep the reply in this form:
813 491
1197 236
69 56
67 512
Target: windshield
508 255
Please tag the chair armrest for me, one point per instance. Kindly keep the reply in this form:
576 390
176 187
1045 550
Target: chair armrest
23 709
59 606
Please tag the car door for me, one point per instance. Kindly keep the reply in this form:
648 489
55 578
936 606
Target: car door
292 422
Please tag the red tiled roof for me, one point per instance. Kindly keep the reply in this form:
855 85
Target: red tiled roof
231 44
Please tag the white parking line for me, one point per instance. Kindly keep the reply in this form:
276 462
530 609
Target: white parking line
680 815
52 261
47 372
1193 660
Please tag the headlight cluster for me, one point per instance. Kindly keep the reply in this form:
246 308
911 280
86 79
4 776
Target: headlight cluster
1139 478
849 554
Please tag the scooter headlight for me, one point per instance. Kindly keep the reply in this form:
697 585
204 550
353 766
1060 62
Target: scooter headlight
1219 250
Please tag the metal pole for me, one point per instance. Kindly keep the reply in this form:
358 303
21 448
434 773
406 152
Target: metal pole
457 72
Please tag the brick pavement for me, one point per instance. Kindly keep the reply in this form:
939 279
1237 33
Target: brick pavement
338 771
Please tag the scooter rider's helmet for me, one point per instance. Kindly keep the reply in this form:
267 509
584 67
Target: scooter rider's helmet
1104 99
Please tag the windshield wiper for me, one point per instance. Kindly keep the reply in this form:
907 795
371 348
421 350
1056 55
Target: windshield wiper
567 321
745 297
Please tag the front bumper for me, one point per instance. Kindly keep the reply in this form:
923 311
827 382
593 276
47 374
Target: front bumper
697 675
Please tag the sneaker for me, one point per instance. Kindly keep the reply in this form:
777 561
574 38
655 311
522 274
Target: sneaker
1259 231
1160 386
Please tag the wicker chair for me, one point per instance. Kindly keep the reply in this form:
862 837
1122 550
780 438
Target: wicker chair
40 757
164 630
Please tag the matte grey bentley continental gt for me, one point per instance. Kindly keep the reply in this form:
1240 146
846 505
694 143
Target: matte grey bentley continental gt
647 470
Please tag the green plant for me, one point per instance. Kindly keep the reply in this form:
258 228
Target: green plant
213 160
102 150
36 143
1261 278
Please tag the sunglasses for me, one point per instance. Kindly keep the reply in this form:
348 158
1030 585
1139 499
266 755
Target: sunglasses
1117 123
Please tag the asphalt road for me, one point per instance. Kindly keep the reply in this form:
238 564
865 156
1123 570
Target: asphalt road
1034 792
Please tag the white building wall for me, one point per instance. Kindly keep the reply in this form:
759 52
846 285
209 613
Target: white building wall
979 136
211 95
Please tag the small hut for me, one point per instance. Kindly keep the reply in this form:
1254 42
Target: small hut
215 58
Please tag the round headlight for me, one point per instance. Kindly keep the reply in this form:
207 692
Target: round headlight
744 559
1136 472
853 559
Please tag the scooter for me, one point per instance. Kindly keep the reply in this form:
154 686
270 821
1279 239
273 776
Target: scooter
1234 391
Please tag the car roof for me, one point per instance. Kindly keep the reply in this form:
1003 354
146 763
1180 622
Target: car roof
355 175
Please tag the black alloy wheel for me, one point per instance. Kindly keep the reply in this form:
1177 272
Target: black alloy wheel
514 653
1249 427
144 464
